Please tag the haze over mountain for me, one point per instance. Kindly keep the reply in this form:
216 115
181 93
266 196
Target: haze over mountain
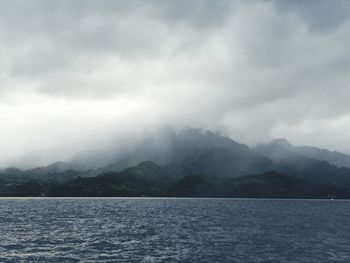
191 150
162 160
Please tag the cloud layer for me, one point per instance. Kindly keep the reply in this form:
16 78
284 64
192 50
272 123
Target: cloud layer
77 72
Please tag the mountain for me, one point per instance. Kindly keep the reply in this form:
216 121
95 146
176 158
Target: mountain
149 179
291 160
144 179
196 151
267 185
153 162
276 150
332 157
281 148
193 151
57 172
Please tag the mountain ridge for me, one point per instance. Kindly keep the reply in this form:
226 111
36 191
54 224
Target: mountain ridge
280 148
177 154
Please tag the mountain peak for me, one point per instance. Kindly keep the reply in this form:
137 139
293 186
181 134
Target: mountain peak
281 142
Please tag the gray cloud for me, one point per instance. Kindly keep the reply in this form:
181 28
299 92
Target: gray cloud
76 72
320 15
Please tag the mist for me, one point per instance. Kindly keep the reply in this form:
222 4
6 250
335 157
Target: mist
89 75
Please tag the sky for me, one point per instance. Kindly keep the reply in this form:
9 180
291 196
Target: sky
76 74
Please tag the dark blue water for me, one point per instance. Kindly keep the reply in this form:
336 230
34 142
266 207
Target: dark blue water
174 230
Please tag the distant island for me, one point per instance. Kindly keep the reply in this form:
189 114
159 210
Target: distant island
189 163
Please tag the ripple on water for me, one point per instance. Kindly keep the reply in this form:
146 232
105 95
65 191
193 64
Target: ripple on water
173 230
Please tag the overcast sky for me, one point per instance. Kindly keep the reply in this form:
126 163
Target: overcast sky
73 73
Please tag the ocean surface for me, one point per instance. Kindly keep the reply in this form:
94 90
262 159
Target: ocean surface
174 230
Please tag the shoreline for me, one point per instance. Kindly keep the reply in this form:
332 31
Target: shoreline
165 198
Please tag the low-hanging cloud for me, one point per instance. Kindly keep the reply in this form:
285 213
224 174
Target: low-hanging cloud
74 73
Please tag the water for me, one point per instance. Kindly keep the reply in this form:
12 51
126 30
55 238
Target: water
174 230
